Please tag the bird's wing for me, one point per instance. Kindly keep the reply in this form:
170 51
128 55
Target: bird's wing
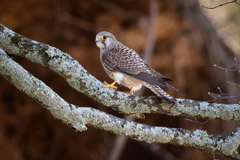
130 63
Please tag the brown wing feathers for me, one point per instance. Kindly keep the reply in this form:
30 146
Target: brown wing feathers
135 68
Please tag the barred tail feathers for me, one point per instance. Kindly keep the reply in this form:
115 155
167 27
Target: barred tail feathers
160 92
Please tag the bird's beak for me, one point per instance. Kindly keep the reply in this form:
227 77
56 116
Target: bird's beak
97 39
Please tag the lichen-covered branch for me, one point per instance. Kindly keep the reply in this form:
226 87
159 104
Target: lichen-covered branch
84 82
79 117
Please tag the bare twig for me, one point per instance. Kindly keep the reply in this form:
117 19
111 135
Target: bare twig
197 122
226 69
222 95
237 124
232 83
233 1
226 95
237 64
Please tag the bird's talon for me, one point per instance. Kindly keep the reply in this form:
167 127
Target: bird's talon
110 85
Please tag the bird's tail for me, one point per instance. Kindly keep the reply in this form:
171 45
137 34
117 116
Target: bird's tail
160 92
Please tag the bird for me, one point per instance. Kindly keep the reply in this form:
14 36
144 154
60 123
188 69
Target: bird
126 68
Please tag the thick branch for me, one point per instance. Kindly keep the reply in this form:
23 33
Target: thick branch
84 82
79 117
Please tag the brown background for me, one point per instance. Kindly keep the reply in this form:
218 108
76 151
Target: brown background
186 48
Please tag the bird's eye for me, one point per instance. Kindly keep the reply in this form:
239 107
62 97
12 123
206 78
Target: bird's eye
104 37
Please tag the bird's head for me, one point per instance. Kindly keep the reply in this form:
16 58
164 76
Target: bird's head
104 39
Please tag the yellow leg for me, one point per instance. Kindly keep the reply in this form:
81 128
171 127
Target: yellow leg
110 85
131 91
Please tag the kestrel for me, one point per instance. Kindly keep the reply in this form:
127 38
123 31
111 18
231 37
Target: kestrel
125 67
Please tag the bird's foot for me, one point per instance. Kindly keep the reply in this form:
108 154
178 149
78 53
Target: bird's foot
130 92
110 85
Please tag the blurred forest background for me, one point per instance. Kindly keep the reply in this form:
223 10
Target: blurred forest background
180 39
